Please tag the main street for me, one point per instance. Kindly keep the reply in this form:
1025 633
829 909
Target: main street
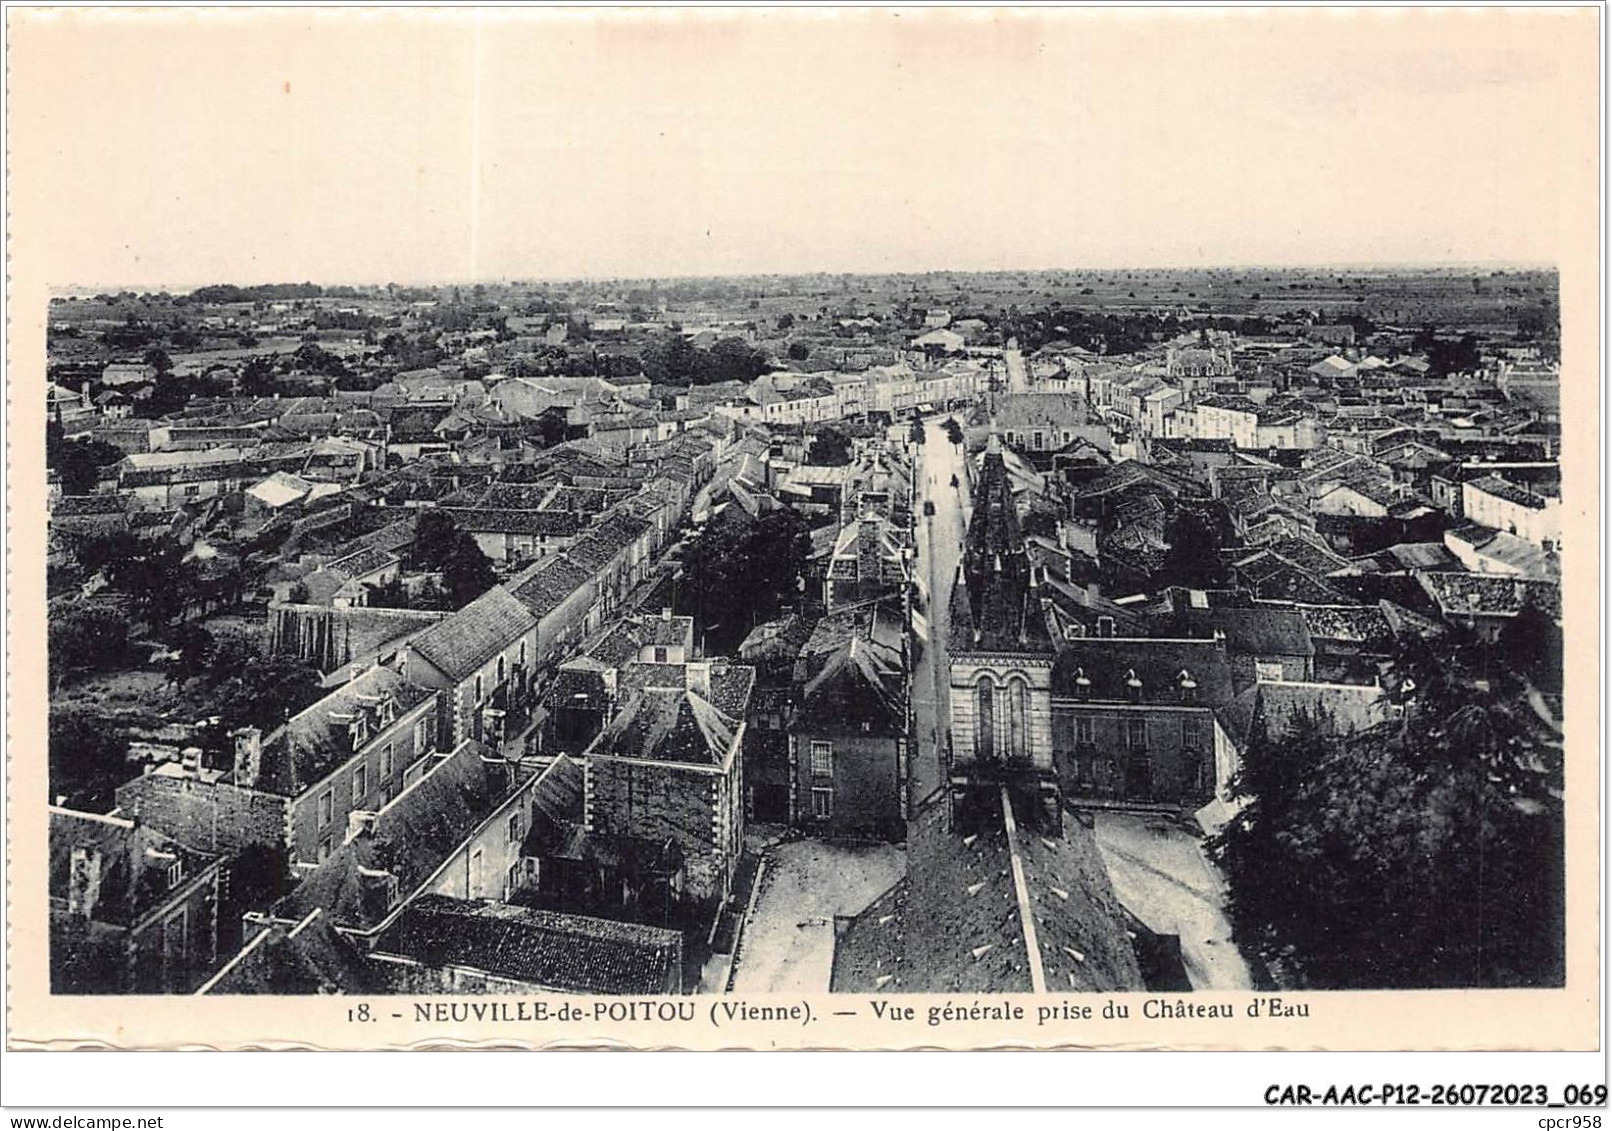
940 540
1018 378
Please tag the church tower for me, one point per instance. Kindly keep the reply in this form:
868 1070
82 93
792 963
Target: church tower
1001 652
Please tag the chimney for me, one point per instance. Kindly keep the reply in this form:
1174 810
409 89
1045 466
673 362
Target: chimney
248 756
699 679
373 879
84 880
190 759
360 822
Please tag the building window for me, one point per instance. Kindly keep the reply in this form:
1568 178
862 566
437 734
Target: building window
176 872
523 647
1192 732
985 721
660 655
176 942
1136 733
514 828
1018 742
822 803
500 669
327 807
514 879
1083 731
386 760
477 876
822 760
478 690
360 783
423 734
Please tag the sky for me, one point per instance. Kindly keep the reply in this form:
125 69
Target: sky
175 148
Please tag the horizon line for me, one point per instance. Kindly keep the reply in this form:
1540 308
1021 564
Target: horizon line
1381 266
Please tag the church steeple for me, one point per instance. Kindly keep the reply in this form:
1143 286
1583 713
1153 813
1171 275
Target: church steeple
994 571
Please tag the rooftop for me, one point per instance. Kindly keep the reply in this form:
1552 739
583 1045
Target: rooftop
560 952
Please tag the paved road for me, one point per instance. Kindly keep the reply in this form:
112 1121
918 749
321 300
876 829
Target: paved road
1018 378
787 944
940 541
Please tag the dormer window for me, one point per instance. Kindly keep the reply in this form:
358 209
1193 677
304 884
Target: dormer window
176 873
1082 684
1105 626
1133 686
1189 687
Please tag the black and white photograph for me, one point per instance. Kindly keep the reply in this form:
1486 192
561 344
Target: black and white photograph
716 514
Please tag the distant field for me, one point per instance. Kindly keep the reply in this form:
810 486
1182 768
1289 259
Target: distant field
1446 297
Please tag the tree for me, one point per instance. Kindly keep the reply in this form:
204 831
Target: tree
741 573
467 572
79 463
158 578
916 432
1425 851
435 534
730 359
954 431
85 638
799 351
1191 559
194 645
99 551
265 691
1532 646
669 359
829 448
158 359
258 377
87 758
79 472
389 595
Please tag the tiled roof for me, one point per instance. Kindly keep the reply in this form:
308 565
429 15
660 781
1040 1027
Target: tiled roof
1343 708
135 860
953 924
77 506
1363 624
664 725
463 642
1108 663
411 838
1509 491
485 520
560 952
1463 593
548 584
633 633
309 957
362 563
316 741
730 684
1261 631
855 675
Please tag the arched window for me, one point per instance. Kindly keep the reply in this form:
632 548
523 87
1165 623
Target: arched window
985 720
1018 742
